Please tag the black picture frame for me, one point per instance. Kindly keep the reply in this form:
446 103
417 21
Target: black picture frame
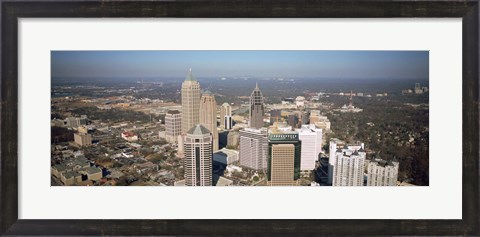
11 11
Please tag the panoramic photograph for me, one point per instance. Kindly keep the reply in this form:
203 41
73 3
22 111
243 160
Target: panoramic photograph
239 118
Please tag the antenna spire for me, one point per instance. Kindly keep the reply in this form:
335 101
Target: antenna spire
351 94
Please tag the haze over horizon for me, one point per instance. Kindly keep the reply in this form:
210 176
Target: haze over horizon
384 65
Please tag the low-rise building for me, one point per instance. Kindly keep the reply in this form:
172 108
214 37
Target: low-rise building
143 168
57 170
222 181
68 166
93 173
226 156
75 122
129 136
233 139
71 178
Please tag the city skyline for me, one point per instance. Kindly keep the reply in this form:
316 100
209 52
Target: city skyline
164 134
387 65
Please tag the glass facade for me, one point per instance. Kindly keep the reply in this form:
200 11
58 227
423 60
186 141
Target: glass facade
284 138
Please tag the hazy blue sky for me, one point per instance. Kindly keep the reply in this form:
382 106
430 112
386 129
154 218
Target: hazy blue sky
315 64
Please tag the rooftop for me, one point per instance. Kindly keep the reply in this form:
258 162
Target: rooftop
71 174
60 167
198 130
223 182
207 92
128 134
93 170
226 152
179 183
384 163
173 112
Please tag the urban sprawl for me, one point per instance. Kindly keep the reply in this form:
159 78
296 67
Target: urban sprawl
200 143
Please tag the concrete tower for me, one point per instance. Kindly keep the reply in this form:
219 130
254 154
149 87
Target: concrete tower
381 172
226 116
348 165
173 124
257 109
311 138
190 102
254 148
198 156
208 116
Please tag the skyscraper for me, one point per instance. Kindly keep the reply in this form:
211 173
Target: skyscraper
334 143
418 89
190 102
226 116
283 163
228 122
257 108
311 138
208 116
253 148
348 166
173 125
198 156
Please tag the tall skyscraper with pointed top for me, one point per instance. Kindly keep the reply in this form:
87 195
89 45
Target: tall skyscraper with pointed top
208 115
257 109
190 102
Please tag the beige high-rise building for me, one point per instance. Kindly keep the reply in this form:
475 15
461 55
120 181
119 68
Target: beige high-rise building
314 116
83 139
208 115
257 109
173 125
282 165
198 156
190 102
